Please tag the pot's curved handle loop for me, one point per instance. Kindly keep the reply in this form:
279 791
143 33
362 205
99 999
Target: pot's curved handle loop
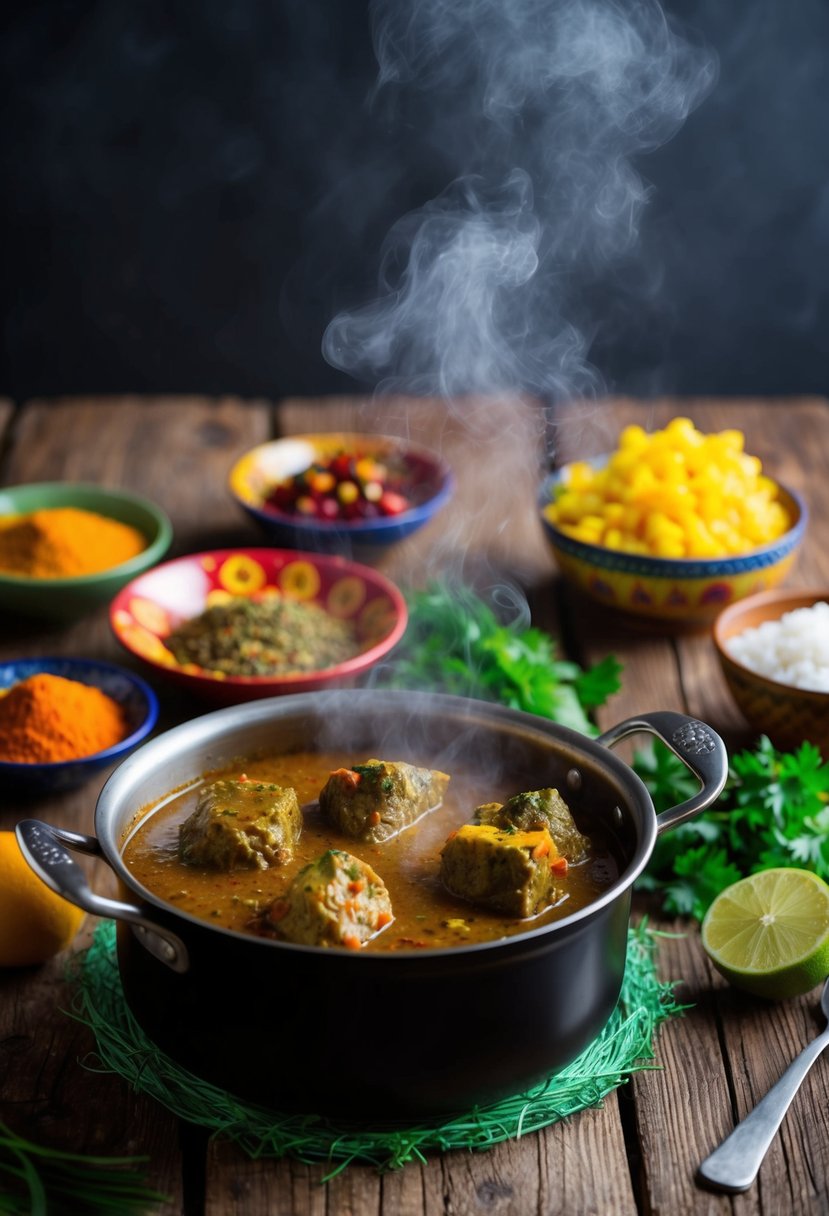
44 848
697 745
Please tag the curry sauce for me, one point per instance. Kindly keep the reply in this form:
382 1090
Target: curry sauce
425 914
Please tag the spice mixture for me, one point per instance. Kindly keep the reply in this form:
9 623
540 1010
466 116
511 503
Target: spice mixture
47 718
249 637
62 542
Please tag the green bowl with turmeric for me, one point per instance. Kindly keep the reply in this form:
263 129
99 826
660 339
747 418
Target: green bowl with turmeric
67 548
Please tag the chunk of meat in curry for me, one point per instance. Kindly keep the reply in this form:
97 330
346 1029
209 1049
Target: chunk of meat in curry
375 801
241 825
515 872
535 809
337 900
426 913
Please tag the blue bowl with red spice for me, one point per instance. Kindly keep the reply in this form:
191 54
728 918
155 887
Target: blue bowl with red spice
340 491
138 703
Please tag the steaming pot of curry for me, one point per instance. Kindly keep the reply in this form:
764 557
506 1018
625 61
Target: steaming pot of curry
375 904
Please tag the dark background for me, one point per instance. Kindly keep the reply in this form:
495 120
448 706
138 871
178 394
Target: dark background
191 192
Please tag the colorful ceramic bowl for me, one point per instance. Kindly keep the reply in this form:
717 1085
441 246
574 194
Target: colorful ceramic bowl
137 698
427 482
788 715
682 592
146 611
67 599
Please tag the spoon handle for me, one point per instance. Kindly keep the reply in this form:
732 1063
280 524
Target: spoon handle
733 1166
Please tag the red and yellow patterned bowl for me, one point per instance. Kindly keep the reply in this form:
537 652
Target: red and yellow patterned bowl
146 611
682 593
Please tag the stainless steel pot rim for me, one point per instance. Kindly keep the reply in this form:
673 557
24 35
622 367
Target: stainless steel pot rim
213 726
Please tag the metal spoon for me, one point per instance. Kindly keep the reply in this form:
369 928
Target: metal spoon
733 1166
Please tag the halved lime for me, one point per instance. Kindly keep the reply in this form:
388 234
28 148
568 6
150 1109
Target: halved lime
769 933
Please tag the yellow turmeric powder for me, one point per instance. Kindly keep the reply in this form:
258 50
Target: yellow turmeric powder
62 542
46 718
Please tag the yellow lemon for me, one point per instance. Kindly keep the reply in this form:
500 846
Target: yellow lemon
35 924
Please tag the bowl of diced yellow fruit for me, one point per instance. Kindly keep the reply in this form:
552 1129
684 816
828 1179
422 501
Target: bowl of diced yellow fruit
673 525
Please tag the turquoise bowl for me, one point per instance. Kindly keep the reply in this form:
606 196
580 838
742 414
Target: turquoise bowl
68 599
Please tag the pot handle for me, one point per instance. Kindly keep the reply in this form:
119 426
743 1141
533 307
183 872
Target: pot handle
44 848
697 745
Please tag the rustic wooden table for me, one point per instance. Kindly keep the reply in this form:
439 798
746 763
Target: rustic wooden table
638 1152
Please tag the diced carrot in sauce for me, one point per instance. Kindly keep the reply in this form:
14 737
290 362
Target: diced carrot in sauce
559 866
374 817
348 776
351 941
541 850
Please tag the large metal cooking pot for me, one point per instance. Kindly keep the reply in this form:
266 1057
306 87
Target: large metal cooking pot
375 1034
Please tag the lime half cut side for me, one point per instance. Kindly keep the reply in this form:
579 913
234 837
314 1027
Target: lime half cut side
769 933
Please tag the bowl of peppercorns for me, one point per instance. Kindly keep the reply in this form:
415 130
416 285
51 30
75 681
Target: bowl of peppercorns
335 492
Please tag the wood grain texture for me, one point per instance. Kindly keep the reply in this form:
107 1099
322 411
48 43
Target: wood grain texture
52 1092
732 1048
176 452
636 1154
485 536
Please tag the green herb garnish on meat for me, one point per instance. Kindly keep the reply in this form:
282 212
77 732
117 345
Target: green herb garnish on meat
455 643
774 811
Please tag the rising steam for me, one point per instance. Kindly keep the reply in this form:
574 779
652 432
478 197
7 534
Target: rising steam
539 108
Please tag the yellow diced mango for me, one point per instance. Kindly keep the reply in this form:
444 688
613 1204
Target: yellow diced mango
675 492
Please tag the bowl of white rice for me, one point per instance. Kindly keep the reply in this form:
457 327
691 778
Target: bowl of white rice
774 652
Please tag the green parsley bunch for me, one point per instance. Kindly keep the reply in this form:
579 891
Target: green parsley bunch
455 643
774 811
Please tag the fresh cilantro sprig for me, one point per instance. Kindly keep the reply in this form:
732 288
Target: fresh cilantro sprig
455 643
774 811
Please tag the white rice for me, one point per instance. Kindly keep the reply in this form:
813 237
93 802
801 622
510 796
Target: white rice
793 650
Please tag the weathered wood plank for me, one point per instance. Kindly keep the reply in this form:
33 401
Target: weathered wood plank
726 1042
488 534
683 1107
761 1042
543 1173
176 452
49 1095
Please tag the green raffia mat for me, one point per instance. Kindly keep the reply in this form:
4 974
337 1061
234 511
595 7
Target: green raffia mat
625 1046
